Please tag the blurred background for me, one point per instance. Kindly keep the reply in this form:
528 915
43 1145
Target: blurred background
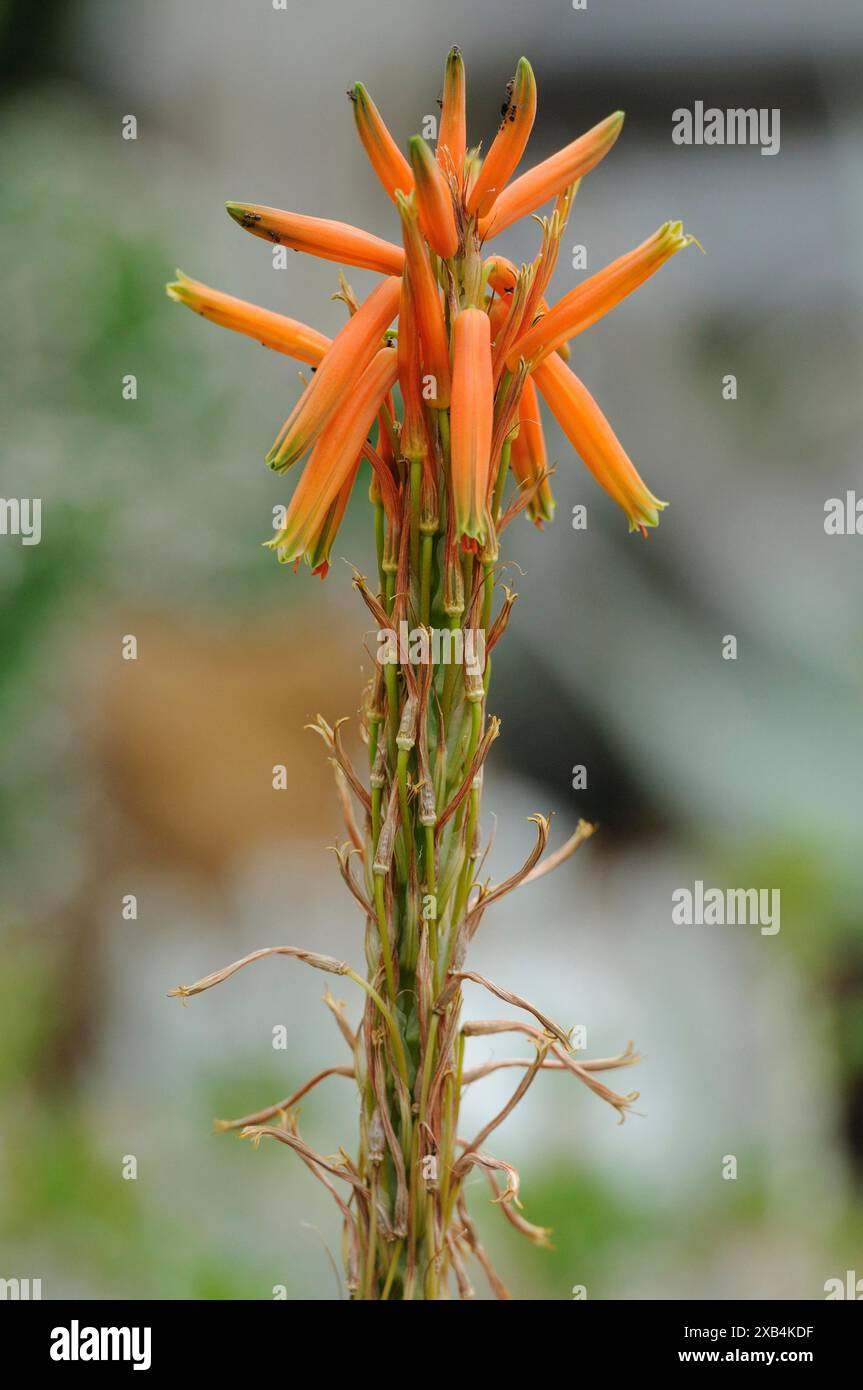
153 777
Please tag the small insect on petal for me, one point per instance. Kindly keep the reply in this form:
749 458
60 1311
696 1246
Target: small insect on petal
509 144
318 236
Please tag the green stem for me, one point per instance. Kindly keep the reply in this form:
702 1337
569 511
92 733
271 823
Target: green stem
415 476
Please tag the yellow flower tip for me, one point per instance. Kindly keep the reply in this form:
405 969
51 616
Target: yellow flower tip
181 288
595 442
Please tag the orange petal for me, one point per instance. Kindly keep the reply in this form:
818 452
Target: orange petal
528 456
352 350
508 145
333 241
334 458
452 139
500 273
384 154
427 305
599 294
434 200
414 443
319 553
552 176
471 421
273 330
596 443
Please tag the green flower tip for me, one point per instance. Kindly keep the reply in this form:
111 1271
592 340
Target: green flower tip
176 289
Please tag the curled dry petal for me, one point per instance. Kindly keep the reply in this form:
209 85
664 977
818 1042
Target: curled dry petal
328 963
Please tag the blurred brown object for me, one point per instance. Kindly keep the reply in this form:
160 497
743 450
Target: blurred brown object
182 743
189 733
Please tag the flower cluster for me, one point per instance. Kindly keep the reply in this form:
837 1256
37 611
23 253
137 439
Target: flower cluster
445 411
475 338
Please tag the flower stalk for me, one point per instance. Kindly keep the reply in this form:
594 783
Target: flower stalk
446 419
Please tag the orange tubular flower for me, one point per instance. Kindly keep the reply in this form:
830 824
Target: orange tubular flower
413 434
596 443
598 295
528 457
551 177
509 144
434 201
333 461
273 330
384 154
502 277
471 422
352 350
319 553
318 236
500 273
427 305
452 136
